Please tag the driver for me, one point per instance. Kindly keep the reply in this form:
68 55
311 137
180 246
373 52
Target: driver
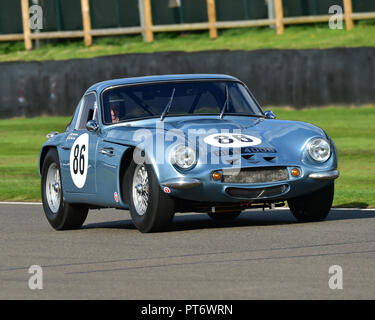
115 113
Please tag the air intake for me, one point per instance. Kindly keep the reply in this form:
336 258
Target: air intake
256 175
258 193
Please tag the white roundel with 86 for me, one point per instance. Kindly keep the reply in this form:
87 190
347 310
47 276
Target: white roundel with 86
232 140
79 160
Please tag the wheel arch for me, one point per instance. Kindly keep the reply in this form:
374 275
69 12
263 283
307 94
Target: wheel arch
43 154
126 159
124 165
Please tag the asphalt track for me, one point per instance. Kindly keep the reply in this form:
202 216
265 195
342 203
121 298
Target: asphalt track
262 255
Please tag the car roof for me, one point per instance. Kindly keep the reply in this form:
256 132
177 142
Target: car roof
100 86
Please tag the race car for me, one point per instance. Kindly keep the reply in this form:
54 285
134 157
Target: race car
159 145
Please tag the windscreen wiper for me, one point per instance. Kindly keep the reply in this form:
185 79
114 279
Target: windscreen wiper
225 106
168 106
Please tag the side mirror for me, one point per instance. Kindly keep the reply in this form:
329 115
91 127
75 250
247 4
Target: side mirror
52 134
270 115
92 126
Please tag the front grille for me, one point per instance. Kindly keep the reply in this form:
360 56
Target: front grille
258 193
256 175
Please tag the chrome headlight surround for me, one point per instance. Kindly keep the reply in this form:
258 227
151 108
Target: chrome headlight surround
183 157
319 150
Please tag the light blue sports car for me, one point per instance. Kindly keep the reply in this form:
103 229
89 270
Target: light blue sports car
180 143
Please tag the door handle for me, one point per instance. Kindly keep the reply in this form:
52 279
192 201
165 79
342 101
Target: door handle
65 148
108 152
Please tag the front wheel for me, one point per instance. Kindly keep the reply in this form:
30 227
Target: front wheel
314 206
60 214
150 208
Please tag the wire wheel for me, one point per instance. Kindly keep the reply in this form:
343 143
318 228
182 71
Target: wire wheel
53 188
140 189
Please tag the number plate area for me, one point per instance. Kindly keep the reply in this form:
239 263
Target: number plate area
255 175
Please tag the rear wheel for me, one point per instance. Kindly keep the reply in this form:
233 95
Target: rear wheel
314 206
224 216
60 214
150 208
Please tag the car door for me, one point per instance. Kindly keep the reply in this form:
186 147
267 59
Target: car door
78 151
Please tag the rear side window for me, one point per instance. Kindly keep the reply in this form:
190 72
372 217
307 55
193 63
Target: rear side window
75 116
88 111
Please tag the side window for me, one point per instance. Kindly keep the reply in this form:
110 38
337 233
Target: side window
75 115
88 111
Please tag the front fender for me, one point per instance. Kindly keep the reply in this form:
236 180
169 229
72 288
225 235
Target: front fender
54 142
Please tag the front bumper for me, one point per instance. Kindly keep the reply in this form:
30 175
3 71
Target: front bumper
182 183
207 190
325 175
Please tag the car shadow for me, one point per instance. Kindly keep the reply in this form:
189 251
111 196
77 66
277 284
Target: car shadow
353 205
118 224
195 221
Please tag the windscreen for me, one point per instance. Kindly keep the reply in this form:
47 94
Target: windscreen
184 98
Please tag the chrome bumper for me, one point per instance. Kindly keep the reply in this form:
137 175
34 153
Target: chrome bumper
182 183
325 175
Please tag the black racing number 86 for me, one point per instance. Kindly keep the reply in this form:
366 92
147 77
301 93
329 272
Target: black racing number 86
223 139
79 159
242 138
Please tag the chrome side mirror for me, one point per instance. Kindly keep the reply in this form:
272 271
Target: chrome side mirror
270 115
92 126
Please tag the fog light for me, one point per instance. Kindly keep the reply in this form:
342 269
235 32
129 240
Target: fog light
295 172
216 176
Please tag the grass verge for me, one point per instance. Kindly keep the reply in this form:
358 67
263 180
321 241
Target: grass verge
352 129
20 143
317 36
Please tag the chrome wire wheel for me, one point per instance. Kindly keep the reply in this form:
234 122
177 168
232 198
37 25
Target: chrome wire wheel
53 188
140 189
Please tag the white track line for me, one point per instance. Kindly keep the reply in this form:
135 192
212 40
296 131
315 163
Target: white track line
283 208
362 209
27 203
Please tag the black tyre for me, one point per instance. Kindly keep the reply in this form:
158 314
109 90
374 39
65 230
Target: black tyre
314 206
150 208
224 216
60 214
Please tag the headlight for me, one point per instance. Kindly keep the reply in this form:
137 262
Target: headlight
183 157
319 150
